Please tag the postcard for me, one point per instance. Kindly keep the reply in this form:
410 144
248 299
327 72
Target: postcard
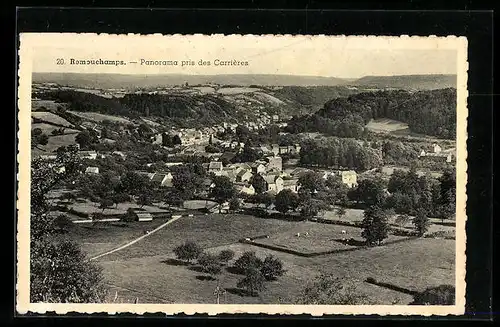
210 174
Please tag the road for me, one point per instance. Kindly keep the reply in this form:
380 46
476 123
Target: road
137 239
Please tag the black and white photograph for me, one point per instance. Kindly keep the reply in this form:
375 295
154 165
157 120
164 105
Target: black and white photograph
325 174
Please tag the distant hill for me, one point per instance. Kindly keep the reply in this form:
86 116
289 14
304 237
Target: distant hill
109 81
407 82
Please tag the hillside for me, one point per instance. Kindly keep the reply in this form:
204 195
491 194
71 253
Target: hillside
431 112
113 81
407 82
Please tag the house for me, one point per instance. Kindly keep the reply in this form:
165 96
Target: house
92 170
216 208
240 167
436 148
215 166
291 184
48 156
227 156
119 153
265 150
244 176
274 163
433 149
275 118
349 178
162 179
446 157
258 167
283 150
87 155
244 188
274 183
143 215
275 149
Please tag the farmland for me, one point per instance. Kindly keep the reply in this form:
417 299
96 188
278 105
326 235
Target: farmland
412 263
385 125
97 117
51 118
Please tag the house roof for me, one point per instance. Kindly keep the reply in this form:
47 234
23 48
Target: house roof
228 156
158 177
270 179
241 173
92 170
290 181
215 165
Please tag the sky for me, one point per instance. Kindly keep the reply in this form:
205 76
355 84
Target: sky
344 57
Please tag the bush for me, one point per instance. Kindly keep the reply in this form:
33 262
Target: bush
188 251
248 260
272 268
253 281
209 263
226 255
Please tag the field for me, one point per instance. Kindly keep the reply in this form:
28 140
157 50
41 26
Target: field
49 117
45 105
237 90
97 117
48 128
58 140
386 125
148 270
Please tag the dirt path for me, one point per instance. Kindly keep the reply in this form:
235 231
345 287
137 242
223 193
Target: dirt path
136 240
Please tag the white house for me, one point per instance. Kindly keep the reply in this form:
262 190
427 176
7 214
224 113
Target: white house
215 166
244 188
163 179
92 170
274 183
244 176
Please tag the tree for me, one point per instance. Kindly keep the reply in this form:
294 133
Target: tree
246 261
242 132
223 190
188 251
375 225
259 184
234 204
272 268
210 264
312 182
312 207
226 255
370 191
176 140
440 295
59 271
421 222
327 289
105 203
253 281
85 138
146 198
286 200
62 223
120 198
38 137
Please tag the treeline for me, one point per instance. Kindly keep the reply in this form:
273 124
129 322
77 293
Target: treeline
202 108
426 112
339 153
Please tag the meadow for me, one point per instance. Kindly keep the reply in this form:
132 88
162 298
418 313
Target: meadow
148 269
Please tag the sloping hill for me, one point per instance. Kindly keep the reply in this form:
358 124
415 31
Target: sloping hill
407 82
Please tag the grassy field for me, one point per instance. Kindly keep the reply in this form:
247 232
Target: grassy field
148 270
106 236
57 141
385 125
45 105
97 117
47 128
51 118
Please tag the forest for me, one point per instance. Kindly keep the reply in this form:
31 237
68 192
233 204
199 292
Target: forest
339 153
202 108
426 112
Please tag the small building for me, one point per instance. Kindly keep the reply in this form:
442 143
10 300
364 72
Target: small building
291 184
275 149
258 167
244 188
244 176
215 166
274 183
162 179
119 153
275 118
92 170
283 150
143 215
349 178
87 155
